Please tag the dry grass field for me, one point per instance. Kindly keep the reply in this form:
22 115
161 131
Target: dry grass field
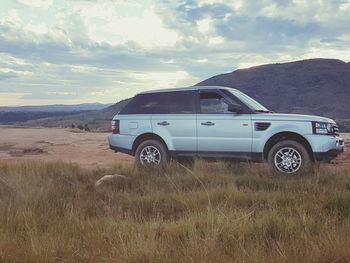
51 211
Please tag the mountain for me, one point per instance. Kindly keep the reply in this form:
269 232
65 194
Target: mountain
56 108
313 86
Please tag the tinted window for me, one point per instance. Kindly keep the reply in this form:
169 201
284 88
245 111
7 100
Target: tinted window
212 102
176 102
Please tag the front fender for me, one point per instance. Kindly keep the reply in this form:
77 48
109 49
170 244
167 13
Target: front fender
261 137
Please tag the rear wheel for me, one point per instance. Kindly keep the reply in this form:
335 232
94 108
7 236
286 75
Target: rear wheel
151 153
288 157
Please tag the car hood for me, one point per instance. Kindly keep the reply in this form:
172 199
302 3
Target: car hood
289 117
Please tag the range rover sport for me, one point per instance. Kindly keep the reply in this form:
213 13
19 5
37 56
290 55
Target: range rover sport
220 122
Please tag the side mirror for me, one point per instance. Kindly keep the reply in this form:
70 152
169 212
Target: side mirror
236 108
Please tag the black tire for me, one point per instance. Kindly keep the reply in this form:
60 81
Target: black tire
154 145
284 157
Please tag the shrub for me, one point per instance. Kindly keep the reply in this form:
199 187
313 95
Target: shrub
86 127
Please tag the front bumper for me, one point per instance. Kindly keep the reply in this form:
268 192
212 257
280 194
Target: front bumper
326 148
327 156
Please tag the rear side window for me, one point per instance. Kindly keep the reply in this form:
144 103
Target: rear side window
176 102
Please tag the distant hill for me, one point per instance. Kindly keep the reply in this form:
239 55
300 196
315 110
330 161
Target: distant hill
314 86
98 119
22 114
56 108
14 117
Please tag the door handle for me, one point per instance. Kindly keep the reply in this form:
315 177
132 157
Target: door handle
163 123
208 123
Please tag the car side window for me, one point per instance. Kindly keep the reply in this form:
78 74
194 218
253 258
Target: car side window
140 104
212 102
176 102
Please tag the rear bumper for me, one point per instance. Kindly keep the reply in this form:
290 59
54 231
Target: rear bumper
120 150
121 143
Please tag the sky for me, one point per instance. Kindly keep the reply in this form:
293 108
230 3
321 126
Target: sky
78 51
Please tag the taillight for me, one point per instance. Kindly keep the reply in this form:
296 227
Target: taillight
115 127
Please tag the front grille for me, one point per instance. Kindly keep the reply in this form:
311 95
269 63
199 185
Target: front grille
262 126
335 130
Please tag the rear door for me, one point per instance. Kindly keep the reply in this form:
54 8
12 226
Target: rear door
174 119
220 132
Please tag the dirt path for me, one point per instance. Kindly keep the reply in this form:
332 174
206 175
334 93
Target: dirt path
88 149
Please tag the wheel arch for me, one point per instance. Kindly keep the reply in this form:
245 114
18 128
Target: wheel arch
287 136
147 136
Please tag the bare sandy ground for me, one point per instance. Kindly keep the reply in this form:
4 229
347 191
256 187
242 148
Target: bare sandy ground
88 149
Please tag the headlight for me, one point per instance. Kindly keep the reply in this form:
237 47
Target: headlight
322 128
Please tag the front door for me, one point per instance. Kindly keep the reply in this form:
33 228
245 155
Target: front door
220 132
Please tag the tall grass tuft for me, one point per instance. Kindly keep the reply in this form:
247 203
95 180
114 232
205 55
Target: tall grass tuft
208 212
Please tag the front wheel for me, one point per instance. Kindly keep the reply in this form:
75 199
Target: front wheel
151 153
288 157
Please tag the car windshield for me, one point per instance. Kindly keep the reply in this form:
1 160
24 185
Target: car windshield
251 103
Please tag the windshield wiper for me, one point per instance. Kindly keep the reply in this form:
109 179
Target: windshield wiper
264 111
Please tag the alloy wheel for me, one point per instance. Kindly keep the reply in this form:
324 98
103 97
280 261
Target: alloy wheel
150 155
288 160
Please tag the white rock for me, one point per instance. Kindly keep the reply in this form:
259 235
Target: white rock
109 178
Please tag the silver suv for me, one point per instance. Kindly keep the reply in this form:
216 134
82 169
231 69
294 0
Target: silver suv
220 122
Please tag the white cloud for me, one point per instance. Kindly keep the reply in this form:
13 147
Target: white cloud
11 61
16 72
217 40
169 61
236 4
326 50
203 60
39 29
301 11
12 98
60 93
253 60
158 80
104 22
204 25
45 4
11 18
